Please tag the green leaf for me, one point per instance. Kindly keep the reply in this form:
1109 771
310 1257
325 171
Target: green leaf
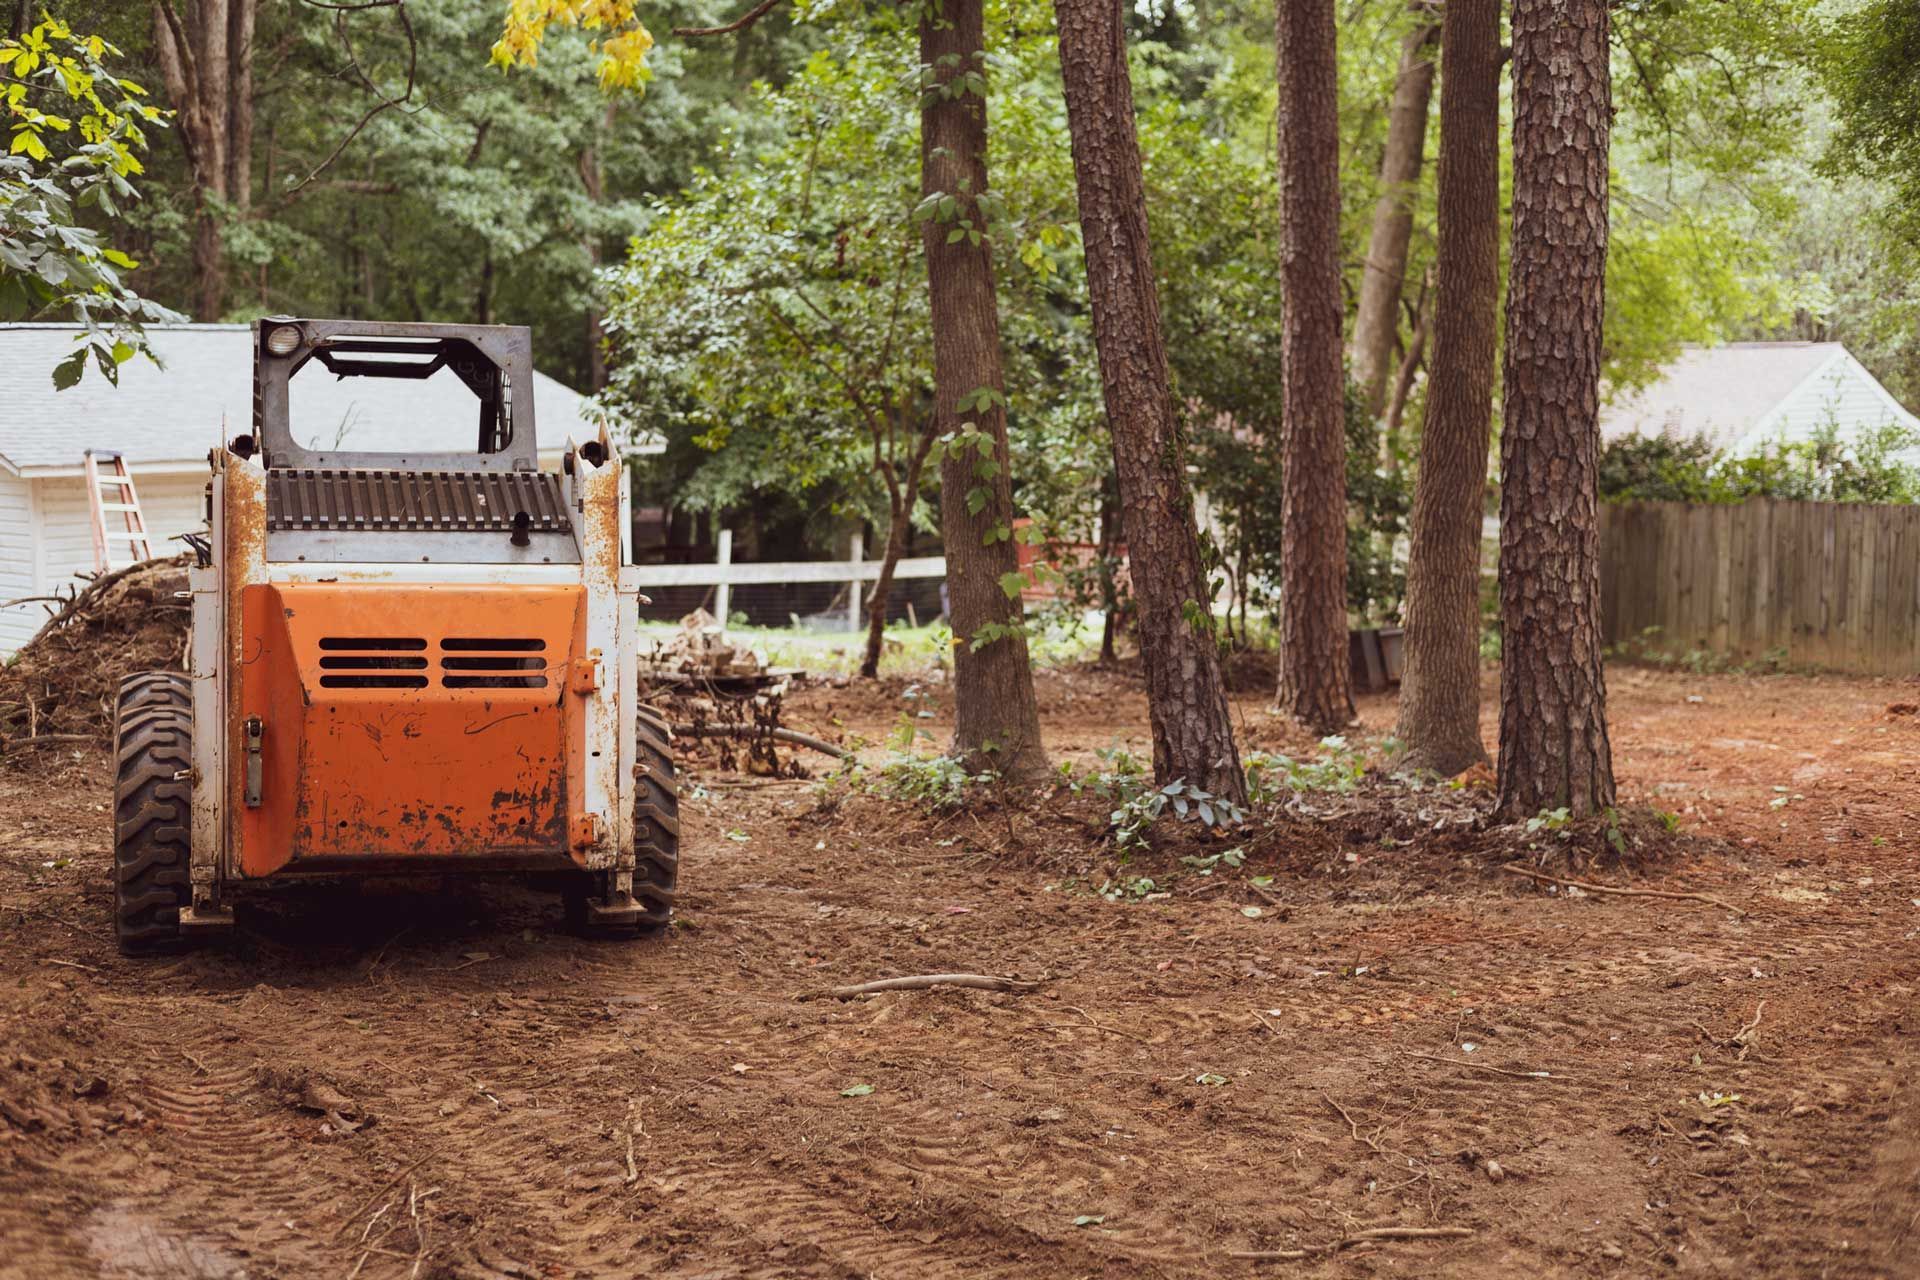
68 371
956 235
1013 584
856 1091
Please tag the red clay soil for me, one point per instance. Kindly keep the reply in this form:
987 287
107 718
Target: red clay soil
444 1084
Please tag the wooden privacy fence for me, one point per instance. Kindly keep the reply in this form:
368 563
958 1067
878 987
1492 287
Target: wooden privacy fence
1822 584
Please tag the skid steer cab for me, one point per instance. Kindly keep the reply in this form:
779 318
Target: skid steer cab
415 660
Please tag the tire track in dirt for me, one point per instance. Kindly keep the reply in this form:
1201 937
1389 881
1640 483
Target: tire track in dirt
521 1224
238 1165
37 1228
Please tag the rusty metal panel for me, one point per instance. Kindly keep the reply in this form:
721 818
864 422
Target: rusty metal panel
241 513
596 491
411 722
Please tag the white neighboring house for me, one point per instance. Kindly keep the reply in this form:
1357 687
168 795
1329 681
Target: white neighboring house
1745 395
164 420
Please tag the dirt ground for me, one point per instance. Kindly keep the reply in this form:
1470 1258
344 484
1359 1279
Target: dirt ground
442 1083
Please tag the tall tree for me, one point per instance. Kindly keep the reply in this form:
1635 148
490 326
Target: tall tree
996 716
1186 697
1440 687
1554 751
1315 685
205 53
1383 275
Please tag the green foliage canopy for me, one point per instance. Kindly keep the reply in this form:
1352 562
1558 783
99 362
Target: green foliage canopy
76 131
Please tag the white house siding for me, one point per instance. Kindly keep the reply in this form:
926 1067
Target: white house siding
172 504
1843 395
17 563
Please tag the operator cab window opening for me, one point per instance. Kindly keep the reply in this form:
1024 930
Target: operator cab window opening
400 396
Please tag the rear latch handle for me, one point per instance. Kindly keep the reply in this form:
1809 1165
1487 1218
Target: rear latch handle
256 732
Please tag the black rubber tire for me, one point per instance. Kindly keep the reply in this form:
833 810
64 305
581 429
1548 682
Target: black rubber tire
152 811
656 840
656 822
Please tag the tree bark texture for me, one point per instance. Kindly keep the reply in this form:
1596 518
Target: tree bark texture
1554 750
1186 696
997 719
1315 684
204 49
1376 321
1440 685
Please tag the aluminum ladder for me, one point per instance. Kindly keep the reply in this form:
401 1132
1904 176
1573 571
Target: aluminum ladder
125 501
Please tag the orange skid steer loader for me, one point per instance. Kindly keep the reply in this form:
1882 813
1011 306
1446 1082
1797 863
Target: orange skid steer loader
402 662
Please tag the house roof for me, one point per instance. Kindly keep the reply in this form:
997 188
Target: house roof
168 417
1720 392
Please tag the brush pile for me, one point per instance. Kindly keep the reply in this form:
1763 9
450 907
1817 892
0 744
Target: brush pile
60 688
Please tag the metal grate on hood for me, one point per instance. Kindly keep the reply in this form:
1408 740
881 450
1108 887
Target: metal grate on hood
452 501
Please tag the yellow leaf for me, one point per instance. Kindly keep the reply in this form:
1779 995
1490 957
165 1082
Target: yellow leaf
623 52
28 141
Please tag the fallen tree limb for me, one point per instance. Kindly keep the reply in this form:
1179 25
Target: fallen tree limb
44 739
979 981
797 738
1498 1071
1370 1235
1531 874
1408 1233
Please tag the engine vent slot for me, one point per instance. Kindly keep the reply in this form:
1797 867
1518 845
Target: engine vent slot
341 680
458 644
492 662
494 682
371 662
371 642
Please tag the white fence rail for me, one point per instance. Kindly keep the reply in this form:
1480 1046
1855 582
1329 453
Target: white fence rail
723 574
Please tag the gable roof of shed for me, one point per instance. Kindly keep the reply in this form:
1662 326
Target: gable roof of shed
169 416
1720 392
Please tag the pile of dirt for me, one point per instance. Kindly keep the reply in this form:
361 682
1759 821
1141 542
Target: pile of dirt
61 686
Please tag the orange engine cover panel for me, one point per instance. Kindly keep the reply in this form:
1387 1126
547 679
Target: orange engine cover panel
402 722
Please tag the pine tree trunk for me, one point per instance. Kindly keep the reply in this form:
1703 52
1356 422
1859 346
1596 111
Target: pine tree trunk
1554 750
997 719
1186 697
1376 320
1440 686
1315 683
